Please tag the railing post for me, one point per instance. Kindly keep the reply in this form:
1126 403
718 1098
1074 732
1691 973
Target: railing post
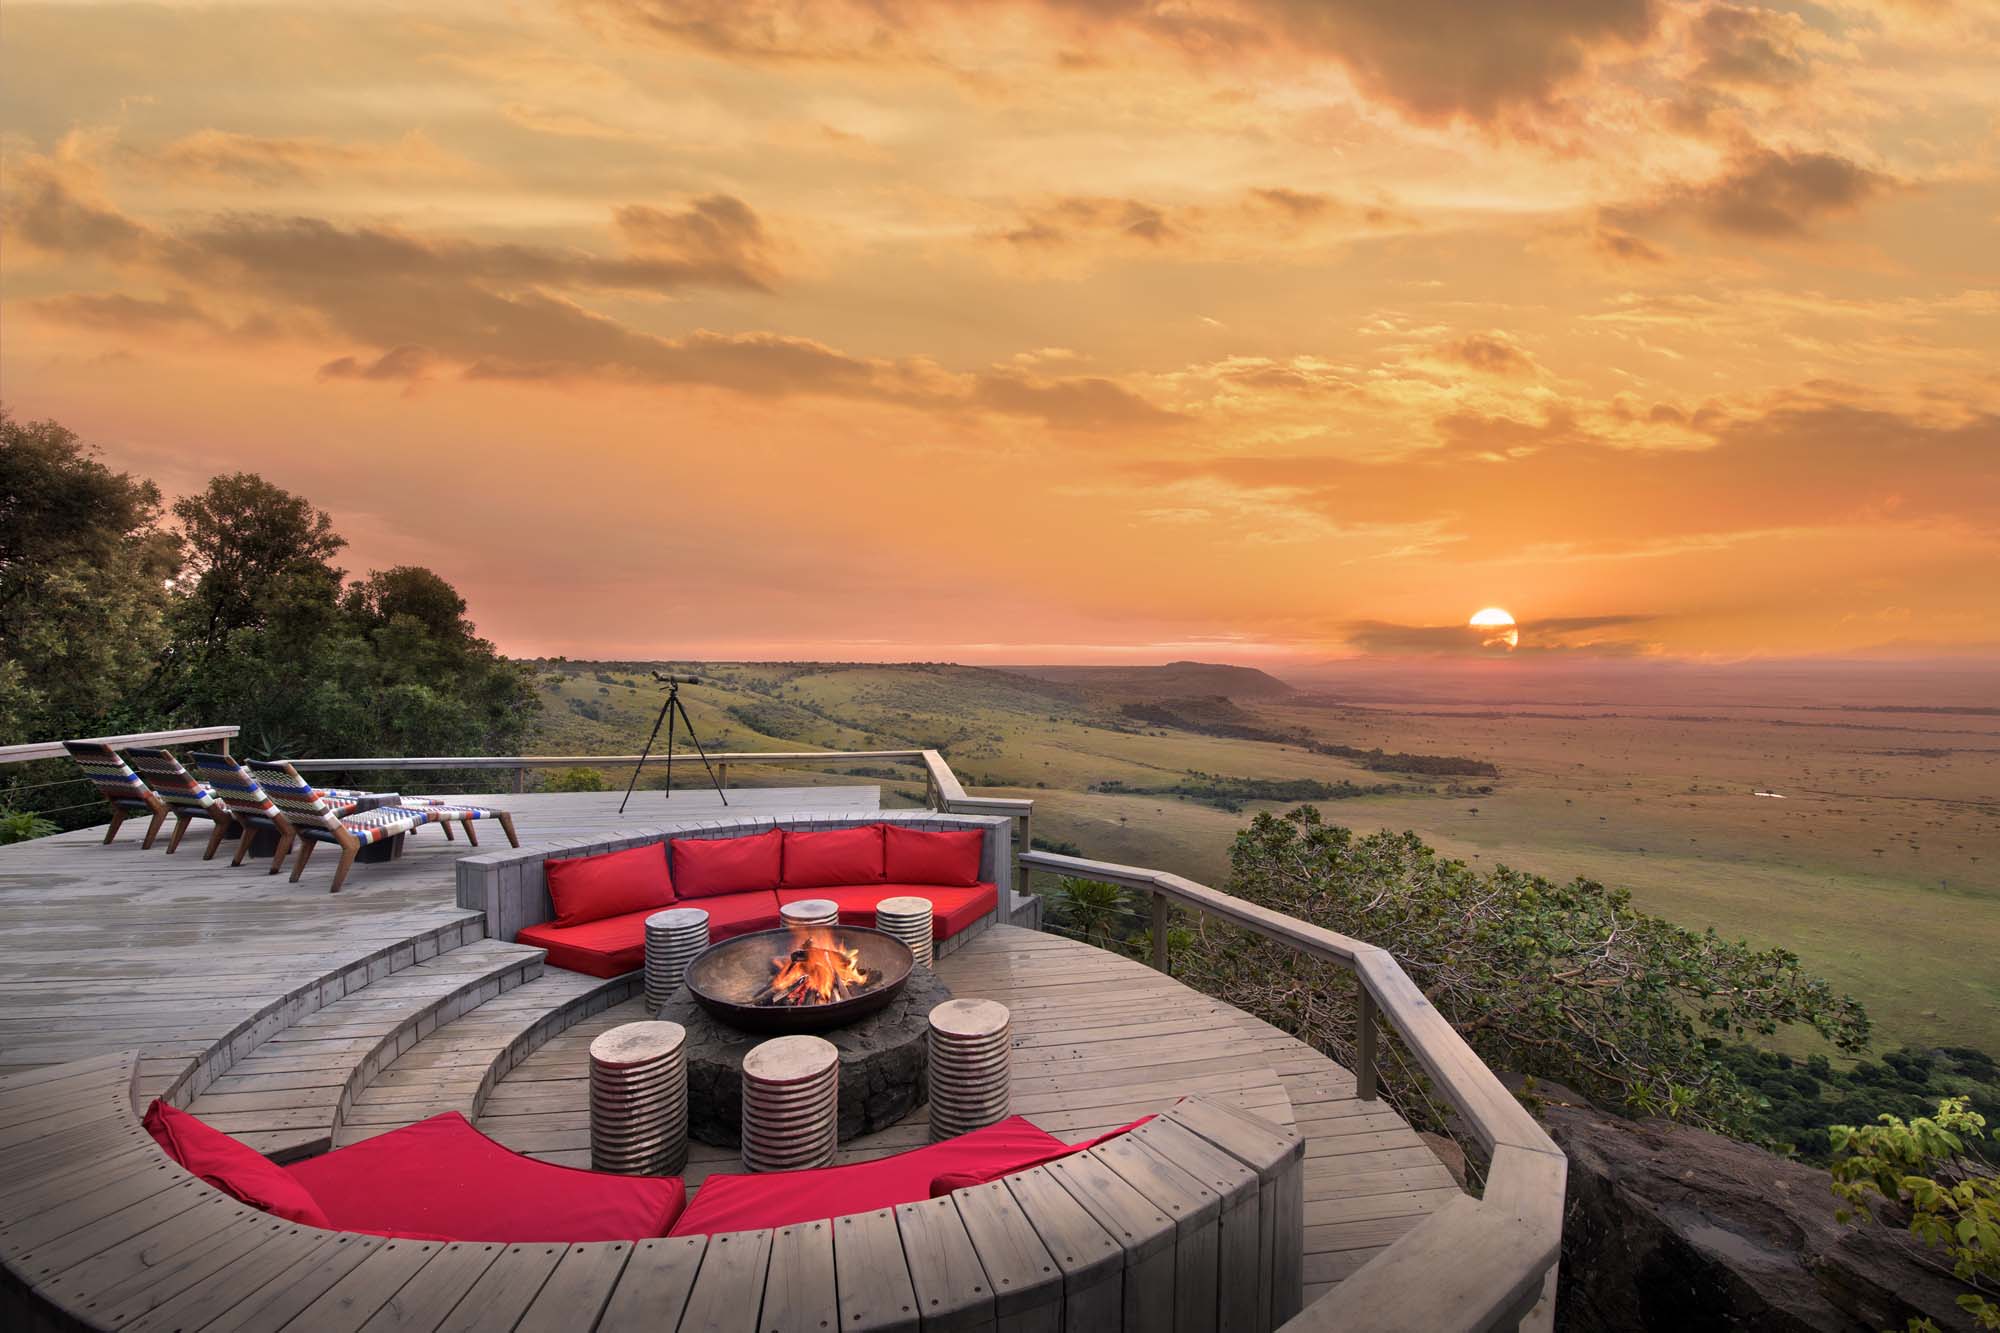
520 780
722 773
1160 932
1364 1045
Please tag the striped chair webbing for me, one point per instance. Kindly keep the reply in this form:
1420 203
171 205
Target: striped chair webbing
294 796
175 785
233 783
434 811
368 826
108 772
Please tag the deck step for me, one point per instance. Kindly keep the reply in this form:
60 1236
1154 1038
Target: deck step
455 1066
287 1098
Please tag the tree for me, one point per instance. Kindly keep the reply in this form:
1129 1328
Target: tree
250 545
84 567
1562 981
1929 1172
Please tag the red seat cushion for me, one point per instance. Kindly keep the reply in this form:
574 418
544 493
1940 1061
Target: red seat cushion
782 1198
442 1177
617 944
952 910
705 866
929 856
591 888
237 1169
819 858
947 1181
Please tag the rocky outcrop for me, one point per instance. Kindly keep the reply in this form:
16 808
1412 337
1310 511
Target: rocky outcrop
1676 1230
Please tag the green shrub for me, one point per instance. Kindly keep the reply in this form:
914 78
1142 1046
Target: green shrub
574 779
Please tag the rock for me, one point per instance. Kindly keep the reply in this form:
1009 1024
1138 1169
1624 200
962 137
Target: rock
1447 1152
1674 1229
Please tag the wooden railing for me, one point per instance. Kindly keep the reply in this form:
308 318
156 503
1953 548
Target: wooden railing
942 789
23 754
1475 1264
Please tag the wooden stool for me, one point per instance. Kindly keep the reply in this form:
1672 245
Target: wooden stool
909 920
971 1066
638 1099
673 939
811 912
791 1104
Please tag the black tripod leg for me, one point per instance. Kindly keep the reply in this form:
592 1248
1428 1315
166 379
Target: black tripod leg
644 753
673 702
716 781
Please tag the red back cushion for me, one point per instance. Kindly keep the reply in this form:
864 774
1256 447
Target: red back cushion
919 856
238 1170
704 867
947 1181
442 1178
591 888
831 858
783 1198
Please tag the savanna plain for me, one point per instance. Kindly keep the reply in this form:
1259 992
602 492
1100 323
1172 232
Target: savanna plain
1853 818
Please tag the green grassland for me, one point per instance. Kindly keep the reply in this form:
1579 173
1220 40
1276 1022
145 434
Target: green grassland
1880 867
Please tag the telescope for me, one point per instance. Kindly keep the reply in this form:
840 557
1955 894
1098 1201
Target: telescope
672 710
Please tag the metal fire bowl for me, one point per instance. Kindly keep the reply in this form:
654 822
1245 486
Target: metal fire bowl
725 977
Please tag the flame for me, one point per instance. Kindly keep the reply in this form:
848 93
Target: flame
818 970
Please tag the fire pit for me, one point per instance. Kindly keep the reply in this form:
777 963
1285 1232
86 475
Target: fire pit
800 978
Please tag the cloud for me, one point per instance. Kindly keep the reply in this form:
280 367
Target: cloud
1433 60
1625 247
1768 193
1745 46
115 312
1078 401
225 157
1575 634
408 362
1489 353
1258 220
719 230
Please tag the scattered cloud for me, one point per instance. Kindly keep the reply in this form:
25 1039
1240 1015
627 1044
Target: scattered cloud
1583 635
1767 193
1490 353
1743 45
408 362
218 157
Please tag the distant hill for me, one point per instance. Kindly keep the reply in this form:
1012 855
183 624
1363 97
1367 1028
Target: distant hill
1175 680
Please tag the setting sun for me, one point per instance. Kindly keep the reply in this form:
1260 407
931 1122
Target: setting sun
1499 624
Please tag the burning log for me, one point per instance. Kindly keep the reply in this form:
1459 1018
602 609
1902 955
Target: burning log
818 971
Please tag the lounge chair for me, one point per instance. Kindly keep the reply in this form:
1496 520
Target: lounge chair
444 814
312 820
186 799
118 784
252 807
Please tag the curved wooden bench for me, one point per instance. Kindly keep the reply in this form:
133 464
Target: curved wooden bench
1194 1221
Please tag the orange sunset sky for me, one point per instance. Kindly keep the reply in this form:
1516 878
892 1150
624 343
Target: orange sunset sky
1263 330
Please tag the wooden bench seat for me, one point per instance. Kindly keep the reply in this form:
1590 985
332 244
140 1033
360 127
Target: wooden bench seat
1194 1222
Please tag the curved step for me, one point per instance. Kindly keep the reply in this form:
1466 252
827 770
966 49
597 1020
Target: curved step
454 1067
288 1096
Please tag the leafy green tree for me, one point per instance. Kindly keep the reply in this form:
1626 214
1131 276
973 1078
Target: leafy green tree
253 549
84 567
574 779
1560 981
1929 1172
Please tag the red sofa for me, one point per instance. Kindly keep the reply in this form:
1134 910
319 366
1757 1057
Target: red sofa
440 1179
601 902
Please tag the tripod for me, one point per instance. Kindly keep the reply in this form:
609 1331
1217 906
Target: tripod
669 709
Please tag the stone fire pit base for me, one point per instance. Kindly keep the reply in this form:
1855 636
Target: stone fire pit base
882 1059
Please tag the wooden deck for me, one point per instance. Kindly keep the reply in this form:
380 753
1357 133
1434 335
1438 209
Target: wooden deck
339 1016
111 947
1100 1040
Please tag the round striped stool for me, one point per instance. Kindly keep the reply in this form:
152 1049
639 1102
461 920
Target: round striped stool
673 939
811 912
639 1099
971 1066
791 1104
909 920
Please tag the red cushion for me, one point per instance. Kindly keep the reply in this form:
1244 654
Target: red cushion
925 856
442 1177
237 1169
781 1198
617 944
816 859
704 866
591 888
952 910
948 1181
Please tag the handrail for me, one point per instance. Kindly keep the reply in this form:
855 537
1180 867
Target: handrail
22 754
1476 1264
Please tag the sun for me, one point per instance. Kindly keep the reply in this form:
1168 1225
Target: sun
1499 627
